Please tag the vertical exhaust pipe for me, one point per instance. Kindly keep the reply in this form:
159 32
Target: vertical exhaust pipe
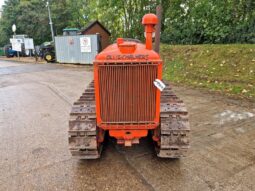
149 21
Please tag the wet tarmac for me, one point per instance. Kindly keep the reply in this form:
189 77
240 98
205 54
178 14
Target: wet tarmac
35 101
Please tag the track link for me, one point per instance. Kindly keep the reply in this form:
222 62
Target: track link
83 132
174 129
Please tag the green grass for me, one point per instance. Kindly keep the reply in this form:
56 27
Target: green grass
229 69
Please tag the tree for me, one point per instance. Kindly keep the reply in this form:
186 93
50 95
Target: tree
10 12
31 18
210 21
183 21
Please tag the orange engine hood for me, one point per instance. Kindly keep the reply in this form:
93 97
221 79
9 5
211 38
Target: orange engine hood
127 52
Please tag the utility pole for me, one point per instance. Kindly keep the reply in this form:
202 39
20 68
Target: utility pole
51 23
158 28
14 36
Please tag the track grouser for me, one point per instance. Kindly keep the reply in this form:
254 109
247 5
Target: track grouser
128 99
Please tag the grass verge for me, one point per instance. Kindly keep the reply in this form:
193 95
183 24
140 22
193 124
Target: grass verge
229 69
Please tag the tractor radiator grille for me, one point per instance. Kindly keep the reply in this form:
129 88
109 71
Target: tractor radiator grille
127 94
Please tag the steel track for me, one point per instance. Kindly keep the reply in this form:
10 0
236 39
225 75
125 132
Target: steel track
174 129
83 141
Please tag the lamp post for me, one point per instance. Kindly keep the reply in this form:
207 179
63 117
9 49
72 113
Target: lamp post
51 23
14 28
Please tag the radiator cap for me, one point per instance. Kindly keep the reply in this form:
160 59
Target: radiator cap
126 47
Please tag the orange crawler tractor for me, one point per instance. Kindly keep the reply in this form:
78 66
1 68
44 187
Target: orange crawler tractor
128 99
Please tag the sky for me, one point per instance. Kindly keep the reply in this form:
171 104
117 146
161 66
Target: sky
1 2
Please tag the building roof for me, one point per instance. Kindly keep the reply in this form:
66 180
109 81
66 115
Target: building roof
91 24
70 29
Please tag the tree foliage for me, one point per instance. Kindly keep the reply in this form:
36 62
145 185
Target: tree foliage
183 21
210 21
